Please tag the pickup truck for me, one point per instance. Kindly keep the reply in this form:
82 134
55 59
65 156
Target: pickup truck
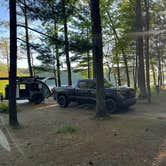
85 92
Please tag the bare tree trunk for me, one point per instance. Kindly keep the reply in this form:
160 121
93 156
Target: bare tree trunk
98 57
66 43
7 56
163 76
135 72
53 68
13 64
159 66
122 50
94 67
58 66
57 58
139 50
147 51
154 75
109 72
27 40
32 62
89 73
118 70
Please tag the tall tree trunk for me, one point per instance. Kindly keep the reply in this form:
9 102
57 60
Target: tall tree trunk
118 70
135 72
27 40
7 55
88 57
159 66
57 57
94 67
154 75
32 62
122 49
13 64
147 51
58 66
98 57
66 43
163 76
159 71
109 72
139 50
53 64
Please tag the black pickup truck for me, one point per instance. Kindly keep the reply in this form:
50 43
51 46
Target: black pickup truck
85 92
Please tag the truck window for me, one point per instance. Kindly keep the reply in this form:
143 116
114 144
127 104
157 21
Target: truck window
83 84
91 84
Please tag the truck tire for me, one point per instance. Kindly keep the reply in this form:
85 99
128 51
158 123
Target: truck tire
111 106
36 98
63 101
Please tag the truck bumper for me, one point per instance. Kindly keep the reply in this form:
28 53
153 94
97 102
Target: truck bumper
128 102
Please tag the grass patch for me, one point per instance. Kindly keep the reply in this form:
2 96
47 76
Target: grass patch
4 108
67 129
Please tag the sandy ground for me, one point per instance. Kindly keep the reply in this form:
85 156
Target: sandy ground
129 138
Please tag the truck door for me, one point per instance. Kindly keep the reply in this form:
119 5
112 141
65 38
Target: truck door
84 92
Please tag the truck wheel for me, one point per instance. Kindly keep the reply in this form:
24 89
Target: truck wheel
36 98
62 101
111 106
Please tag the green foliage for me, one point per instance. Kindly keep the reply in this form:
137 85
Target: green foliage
4 108
67 129
119 33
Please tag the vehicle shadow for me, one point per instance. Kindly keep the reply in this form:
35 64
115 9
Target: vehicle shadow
91 107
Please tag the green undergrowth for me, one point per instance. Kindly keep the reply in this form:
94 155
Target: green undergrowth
4 108
67 129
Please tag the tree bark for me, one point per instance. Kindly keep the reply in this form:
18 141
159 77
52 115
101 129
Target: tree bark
89 73
118 70
154 75
66 43
159 66
57 58
98 57
7 54
27 40
58 66
147 51
89 58
135 72
94 67
53 68
122 50
13 64
139 50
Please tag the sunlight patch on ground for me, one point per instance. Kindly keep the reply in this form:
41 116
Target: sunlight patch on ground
44 107
161 156
4 142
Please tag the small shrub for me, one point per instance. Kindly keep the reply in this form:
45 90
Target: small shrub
67 129
4 108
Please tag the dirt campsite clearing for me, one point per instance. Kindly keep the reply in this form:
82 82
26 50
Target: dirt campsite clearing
52 136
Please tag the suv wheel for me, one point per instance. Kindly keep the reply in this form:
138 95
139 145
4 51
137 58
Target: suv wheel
111 106
62 101
37 98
